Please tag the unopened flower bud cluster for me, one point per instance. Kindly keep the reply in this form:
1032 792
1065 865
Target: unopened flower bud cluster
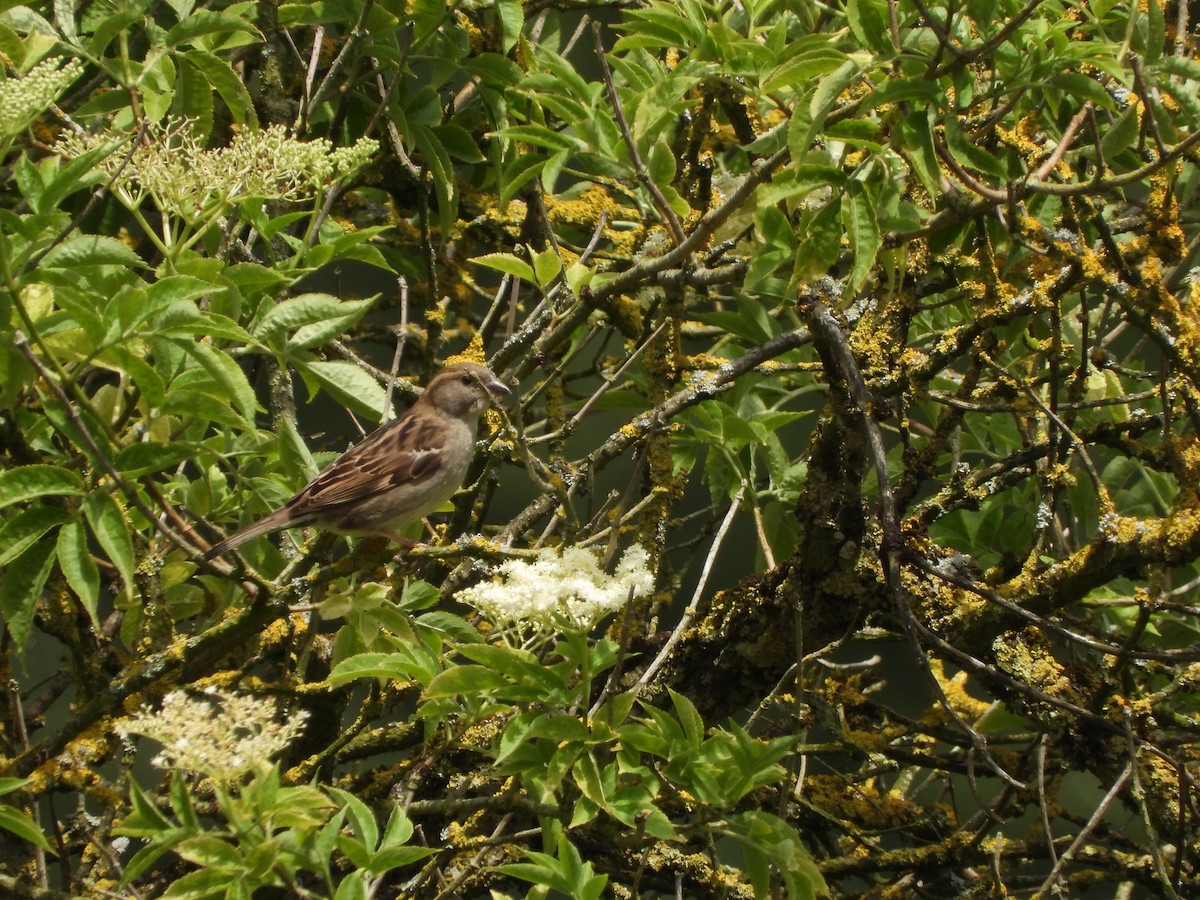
25 97
566 583
218 734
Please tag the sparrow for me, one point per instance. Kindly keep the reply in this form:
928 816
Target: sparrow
399 473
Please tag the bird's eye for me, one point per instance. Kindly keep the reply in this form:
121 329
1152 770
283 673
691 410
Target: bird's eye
467 380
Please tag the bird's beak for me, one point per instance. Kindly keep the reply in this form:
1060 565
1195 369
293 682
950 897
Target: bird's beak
496 388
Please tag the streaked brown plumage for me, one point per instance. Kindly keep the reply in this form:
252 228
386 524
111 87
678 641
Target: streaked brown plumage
399 473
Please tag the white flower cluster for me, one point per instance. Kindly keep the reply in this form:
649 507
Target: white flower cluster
172 166
25 98
561 584
219 734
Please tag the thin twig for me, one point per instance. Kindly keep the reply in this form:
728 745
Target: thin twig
693 606
639 166
1092 824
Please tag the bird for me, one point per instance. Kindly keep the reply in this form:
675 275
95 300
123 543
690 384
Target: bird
397 474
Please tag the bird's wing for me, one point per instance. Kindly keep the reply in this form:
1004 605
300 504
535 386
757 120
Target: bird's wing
408 451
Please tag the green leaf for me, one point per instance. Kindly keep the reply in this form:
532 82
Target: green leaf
205 22
903 90
830 89
193 99
72 176
90 250
64 17
1156 31
398 857
320 333
349 385
390 666
111 529
769 843
518 172
803 68
76 563
307 309
1081 87
28 482
15 821
21 588
863 229
354 886
820 243
212 852
468 680
178 289
459 142
506 262
359 817
148 457
868 20
437 161
511 14
917 134
547 267
224 371
972 154
26 528
221 77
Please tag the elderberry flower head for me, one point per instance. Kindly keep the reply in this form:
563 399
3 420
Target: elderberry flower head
565 583
171 165
218 734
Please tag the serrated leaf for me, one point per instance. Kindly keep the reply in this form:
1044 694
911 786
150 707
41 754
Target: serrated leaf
547 267
868 21
370 665
506 262
511 14
28 482
831 88
918 139
459 142
354 886
221 77
74 175
179 288
469 680
437 161
78 567
820 242
21 588
865 239
309 309
974 156
111 529
90 250
206 22
26 528
16 822
206 850
349 385
225 372
1156 31
193 98
64 18
517 173
803 68
150 456
661 163
1080 86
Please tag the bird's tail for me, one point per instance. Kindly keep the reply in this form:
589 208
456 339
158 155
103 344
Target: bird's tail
274 522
